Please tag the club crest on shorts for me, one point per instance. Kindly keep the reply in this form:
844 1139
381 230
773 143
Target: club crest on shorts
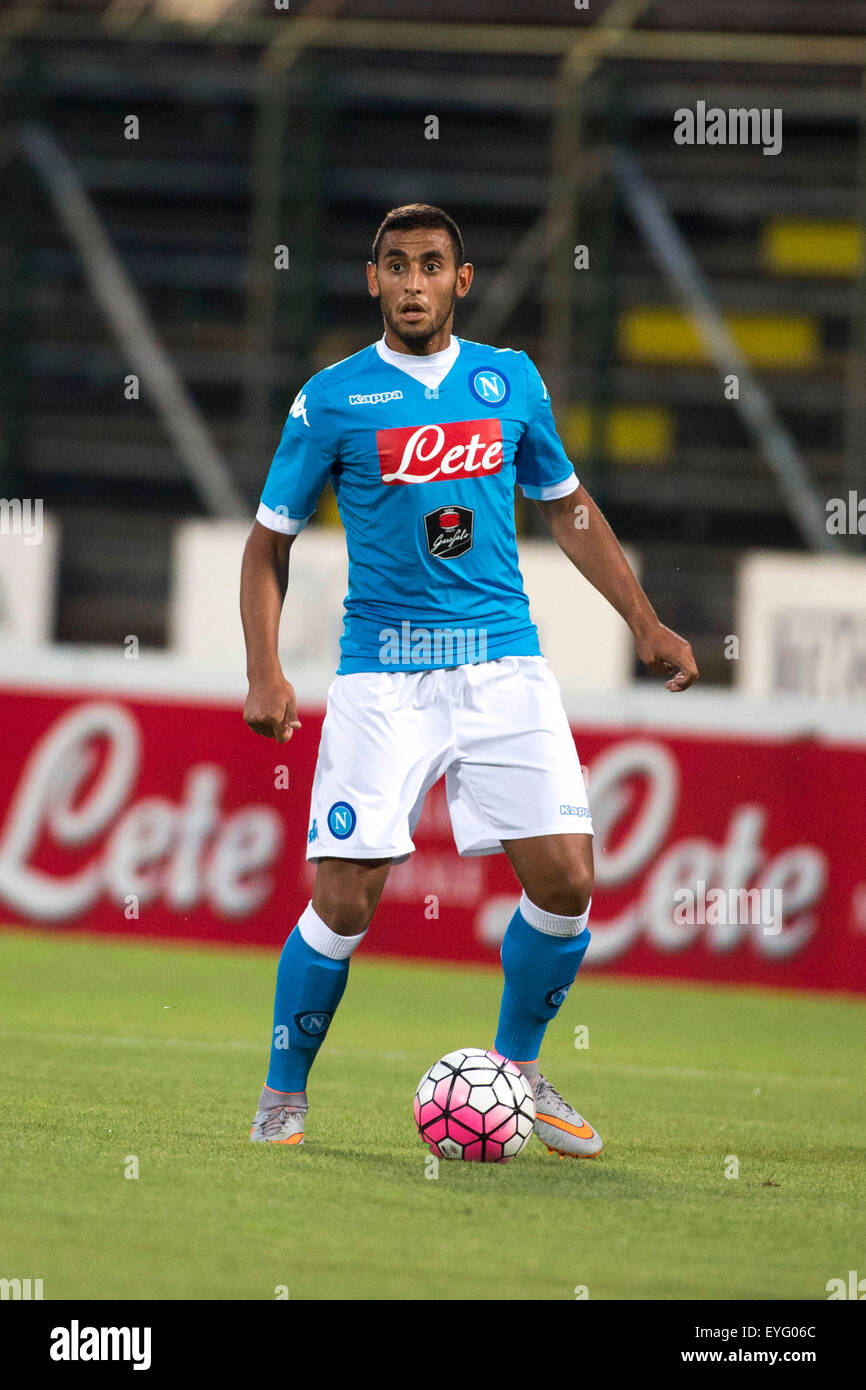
449 531
341 820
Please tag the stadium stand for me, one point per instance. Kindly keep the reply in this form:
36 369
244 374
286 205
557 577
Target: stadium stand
667 458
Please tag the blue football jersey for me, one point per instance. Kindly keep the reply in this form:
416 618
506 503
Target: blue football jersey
424 479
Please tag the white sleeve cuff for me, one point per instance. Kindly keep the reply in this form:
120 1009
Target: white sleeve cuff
278 521
552 491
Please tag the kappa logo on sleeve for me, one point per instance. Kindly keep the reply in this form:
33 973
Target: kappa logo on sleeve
299 408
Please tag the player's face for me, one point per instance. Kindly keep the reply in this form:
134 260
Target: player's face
416 280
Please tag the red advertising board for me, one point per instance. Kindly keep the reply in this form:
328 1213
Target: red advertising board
718 858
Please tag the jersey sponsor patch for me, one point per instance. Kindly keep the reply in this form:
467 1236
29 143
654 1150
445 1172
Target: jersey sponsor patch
449 531
429 453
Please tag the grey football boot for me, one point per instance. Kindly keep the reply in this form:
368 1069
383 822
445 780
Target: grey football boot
276 1122
559 1126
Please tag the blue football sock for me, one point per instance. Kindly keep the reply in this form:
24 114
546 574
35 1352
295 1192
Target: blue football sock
310 985
540 968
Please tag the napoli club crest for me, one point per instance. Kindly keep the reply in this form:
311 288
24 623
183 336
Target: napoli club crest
341 820
313 1024
489 387
557 996
449 531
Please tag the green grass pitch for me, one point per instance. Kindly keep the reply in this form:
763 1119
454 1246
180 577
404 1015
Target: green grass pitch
113 1050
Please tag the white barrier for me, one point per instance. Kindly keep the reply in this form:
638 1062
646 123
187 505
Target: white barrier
28 554
204 615
157 675
801 621
586 642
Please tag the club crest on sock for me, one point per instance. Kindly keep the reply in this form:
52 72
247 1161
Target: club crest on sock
557 996
313 1024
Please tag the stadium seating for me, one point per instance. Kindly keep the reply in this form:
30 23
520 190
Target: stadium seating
671 464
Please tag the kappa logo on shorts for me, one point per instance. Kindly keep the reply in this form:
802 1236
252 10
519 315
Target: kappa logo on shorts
557 996
313 833
449 531
313 1024
341 820
574 810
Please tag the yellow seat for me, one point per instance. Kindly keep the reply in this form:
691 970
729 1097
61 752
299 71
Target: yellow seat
802 246
660 335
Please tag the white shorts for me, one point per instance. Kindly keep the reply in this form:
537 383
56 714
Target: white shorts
498 732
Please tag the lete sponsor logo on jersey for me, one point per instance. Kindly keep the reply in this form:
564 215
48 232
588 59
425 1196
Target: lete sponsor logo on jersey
427 453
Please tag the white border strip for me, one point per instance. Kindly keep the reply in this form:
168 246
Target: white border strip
552 491
161 675
277 521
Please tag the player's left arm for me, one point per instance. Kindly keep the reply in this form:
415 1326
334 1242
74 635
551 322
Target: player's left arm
582 533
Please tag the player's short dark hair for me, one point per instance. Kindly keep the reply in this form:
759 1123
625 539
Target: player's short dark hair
412 215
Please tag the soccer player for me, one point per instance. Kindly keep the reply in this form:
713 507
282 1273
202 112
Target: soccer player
424 436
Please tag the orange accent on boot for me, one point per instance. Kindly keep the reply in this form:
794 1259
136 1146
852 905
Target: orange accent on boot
292 1139
586 1131
560 1154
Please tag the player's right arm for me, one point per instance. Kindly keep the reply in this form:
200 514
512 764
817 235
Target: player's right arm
270 707
300 467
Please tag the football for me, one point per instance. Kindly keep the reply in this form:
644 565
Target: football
475 1105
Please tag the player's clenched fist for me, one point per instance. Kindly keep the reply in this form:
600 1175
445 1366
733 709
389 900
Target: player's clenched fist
669 655
271 709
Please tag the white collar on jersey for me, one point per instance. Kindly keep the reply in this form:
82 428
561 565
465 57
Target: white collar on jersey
428 370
